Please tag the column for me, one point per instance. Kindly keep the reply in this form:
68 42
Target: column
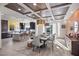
56 29
0 29
58 24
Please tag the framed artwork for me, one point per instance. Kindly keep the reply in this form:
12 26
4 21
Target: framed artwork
11 27
63 26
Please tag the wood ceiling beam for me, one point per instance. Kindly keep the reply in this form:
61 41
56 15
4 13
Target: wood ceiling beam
67 13
57 6
26 7
50 10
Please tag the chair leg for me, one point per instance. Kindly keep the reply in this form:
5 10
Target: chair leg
39 49
52 46
33 48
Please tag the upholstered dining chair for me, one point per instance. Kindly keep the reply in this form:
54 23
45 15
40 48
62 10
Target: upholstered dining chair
36 43
50 43
51 39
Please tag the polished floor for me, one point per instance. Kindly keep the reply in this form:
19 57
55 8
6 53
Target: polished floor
10 48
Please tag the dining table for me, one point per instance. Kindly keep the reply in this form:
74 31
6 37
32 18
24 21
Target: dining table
44 39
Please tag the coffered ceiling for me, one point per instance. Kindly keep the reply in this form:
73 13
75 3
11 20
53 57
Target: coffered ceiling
59 13
38 7
55 11
17 8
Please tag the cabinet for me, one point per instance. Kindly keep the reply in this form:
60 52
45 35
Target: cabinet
4 29
75 48
73 45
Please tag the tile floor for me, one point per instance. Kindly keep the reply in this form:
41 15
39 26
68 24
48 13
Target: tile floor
10 48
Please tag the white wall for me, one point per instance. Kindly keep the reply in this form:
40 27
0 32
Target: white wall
20 20
62 31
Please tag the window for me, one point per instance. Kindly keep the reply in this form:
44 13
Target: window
75 26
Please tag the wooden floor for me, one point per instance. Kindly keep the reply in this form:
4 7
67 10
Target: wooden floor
10 48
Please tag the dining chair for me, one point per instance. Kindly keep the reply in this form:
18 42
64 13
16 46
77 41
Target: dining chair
21 37
16 37
32 36
51 39
36 43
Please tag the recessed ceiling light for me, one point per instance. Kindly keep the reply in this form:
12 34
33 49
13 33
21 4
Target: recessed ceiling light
34 4
19 9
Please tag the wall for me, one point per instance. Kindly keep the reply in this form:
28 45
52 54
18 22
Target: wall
17 21
71 10
71 20
13 22
62 30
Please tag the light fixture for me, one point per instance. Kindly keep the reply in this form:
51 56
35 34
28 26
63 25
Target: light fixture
34 4
19 9
71 12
